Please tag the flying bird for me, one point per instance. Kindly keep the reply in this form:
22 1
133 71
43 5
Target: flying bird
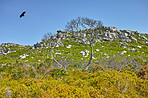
23 14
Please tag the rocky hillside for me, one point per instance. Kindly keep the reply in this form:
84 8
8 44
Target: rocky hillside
74 48
56 66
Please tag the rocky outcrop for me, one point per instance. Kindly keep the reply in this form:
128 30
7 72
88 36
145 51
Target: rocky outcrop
5 50
110 28
144 38
23 56
108 34
85 41
84 53
8 44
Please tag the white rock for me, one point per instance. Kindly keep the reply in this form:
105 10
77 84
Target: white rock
144 38
58 53
124 46
57 45
69 46
97 50
105 54
121 53
85 54
23 56
132 50
9 52
5 53
134 39
124 51
139 46
86 51
94 58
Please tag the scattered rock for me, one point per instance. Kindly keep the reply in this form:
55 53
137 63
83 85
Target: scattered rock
94 58
32 48
97 50
23 56
37 46
139 46
57 53
57 45
84 41
137 33
39 60
127 40
123 36
69 46
83 35
105 54
124 46
8 44
132 50
97 40
110 28
5 50
123 52
144 38
107 57
134 39
128 32
106 39
85 54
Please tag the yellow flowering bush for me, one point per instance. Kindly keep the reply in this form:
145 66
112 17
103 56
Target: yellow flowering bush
76 84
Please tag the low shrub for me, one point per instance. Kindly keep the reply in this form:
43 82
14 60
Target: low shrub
144 72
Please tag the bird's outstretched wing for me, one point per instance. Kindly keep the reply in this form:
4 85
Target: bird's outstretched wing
23 14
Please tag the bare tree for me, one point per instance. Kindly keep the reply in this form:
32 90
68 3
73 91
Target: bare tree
119 62
46 37
87 24
55 44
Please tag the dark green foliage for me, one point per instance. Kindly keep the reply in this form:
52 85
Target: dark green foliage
58 73
32 75
2 69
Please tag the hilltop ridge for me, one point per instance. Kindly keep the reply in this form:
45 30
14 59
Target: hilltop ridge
125 41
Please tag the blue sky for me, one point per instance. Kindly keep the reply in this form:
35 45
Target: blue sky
44 16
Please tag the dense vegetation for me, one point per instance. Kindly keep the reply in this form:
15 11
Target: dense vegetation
75 83
115 70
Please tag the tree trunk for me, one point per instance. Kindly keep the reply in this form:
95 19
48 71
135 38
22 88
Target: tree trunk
52 55
86 68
